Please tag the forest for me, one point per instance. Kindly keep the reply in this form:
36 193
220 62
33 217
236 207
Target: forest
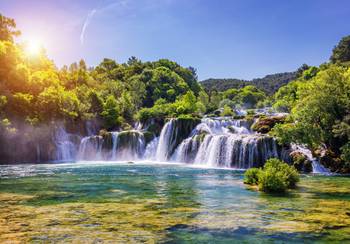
35 92
269 84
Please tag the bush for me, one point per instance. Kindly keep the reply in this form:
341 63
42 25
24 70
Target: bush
276 176
251 176
271 180
227 111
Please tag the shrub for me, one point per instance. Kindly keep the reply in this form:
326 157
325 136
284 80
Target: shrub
289 173
270 180
276 176
251 176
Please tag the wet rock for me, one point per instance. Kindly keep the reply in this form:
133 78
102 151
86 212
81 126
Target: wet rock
331 160
301 162
265 124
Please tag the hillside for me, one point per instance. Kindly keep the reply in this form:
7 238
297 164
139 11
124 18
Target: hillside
269 83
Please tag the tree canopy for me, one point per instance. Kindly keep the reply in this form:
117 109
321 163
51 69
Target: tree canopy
341 52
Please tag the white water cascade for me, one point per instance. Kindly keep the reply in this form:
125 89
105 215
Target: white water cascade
90 148
151 149
317 168
213 142
162 152
125 145
65 147
226 143
115 144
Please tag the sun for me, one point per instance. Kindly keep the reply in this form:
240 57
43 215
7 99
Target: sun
33 47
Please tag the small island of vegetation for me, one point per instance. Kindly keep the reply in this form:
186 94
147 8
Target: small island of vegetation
276 176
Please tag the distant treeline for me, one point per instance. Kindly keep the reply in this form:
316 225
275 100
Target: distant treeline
269 84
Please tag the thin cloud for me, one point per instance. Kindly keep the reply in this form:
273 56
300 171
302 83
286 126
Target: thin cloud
106 7
86 24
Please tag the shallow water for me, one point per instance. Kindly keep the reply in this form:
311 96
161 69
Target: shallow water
166 203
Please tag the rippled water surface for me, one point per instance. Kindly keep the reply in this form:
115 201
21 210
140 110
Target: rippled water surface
116 202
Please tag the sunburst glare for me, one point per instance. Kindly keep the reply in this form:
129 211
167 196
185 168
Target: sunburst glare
33 46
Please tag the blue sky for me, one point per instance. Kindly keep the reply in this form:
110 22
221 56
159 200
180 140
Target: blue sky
221 39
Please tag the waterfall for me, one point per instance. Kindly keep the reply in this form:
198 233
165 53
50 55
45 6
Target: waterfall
231 151
151 149
226 143
65 147
90 148
162 152
130 145
125 145
115 143
317 168
216 142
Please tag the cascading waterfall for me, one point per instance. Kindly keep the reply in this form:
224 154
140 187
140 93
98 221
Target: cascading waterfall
215 142
65 147
317 168
130 145
151 149
162 152
226 143
125 145
115 143
90 148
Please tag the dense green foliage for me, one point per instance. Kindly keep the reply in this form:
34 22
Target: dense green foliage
33 90
269 84
341 52
246 97
251 176
320 108
276 176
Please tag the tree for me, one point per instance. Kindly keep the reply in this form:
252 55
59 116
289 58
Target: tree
227 102
319 115
227 111
249 96
286 96
341 52
7 29
111 113
230 93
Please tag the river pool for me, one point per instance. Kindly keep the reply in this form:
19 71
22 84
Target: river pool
109 202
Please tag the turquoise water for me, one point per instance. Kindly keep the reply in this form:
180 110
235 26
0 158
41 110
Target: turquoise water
165 203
